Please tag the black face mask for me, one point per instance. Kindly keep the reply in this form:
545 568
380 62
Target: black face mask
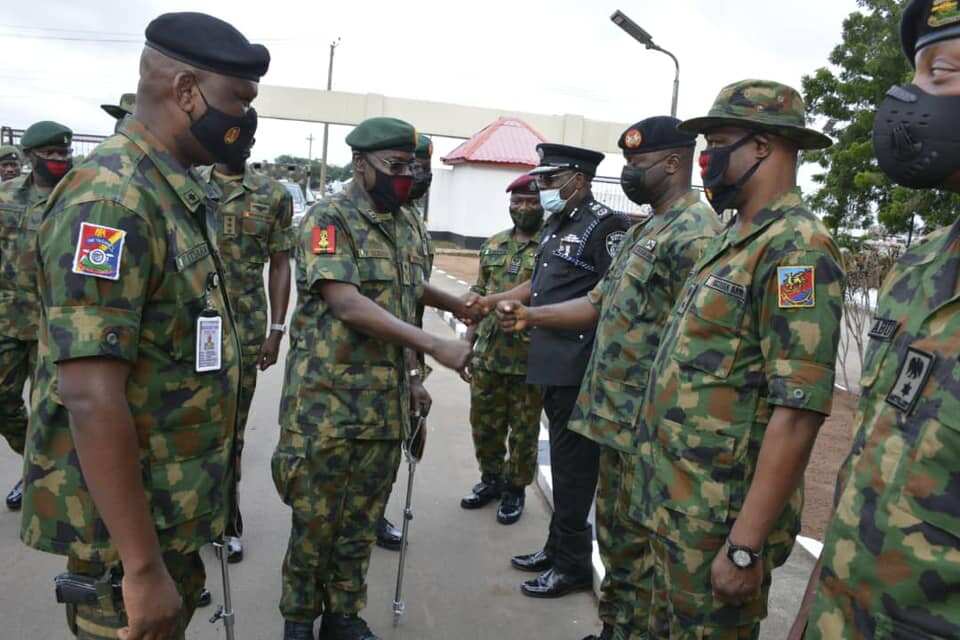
713 167
633 181
916 137
227 138
52 171
389 192
421 184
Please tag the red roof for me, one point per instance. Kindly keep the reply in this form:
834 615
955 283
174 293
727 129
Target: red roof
506 141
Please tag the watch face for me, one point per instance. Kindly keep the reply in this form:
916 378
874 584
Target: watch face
742 559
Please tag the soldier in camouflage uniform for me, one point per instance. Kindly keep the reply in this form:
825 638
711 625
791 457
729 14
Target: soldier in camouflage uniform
346 397
891 555
504 409
743 376
10 163
130 454
253 228
629 307
22 201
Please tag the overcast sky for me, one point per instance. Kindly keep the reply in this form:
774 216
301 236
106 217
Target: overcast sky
554 57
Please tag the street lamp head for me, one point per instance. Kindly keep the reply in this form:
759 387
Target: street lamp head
634 30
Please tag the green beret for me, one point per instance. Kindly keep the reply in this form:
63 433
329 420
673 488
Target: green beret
46 134
9 152
375 134
424 148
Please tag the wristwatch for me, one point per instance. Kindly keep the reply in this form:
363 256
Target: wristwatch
414 373
741 557
282 328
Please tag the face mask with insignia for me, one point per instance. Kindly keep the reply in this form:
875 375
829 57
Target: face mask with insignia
390 192
714 163
227 138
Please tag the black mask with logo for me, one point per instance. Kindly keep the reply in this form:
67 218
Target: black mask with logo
390 192
916 137
227 138
714 163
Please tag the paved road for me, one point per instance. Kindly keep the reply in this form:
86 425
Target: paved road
459 582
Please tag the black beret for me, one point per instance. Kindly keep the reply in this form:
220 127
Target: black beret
559 157
654 134
208 43
46 134
374 134
927 21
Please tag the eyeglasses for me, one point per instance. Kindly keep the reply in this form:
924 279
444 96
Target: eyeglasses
54 154
395 167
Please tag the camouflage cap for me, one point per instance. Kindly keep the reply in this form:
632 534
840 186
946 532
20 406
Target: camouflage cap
10 152
424 148
125 108
46 134
764 105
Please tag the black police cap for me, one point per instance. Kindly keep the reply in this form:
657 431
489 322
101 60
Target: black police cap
655 134
927 21
559 157
208 43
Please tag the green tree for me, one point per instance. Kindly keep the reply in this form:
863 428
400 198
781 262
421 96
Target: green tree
854 193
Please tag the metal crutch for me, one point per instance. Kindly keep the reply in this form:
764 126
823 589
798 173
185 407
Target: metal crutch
413 452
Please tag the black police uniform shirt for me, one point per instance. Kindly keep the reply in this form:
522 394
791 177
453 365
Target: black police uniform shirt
574 253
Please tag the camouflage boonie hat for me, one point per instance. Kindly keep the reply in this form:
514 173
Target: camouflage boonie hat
118 111
760 104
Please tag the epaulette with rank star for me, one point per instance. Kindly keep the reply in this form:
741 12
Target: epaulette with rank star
600 210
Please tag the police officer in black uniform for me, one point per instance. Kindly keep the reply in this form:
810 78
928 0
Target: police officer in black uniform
579 241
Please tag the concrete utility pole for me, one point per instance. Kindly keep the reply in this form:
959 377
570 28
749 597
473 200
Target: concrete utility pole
636 32
326 127
306 187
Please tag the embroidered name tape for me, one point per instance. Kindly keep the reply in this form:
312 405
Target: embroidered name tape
795 287
727 287
99 251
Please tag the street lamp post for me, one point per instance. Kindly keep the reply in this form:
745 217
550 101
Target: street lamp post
636 32
326 126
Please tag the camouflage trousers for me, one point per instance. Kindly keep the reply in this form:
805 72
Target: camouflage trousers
18 358
505 413
101 621
337 489
624 550
683 606
248 385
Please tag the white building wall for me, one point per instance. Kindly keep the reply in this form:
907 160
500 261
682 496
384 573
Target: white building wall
470 200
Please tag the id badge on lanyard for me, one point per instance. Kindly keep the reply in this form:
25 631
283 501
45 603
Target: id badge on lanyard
209 347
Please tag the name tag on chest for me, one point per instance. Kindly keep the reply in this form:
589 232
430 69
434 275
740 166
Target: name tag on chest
727 287
209 354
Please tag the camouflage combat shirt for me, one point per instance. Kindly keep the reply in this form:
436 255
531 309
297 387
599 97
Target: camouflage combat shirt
756 327
253 221
21 208
634 299
505 262
125 270
891 558
340 382
418 255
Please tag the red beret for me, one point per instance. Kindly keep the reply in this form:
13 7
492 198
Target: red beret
524 185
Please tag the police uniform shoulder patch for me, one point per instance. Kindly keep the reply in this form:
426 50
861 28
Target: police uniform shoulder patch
99 251
323 240
914 372
613 242
795 287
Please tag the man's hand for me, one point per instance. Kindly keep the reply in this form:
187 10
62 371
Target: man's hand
474 309
512 315
732 584
269 351
466 374
453 354
152 603
420 400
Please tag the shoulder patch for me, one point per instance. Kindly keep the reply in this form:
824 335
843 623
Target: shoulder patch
99 250
795 287
914 372
613 242
323 240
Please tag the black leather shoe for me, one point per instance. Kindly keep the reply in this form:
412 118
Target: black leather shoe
337 626
15 497
489 488
388 536
205 598
511 505
297 630
533 562
606 634
234 549
553 584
